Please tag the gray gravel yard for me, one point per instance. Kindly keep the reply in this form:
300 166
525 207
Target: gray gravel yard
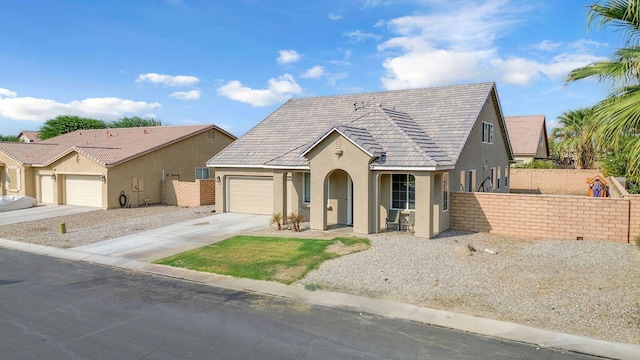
587 288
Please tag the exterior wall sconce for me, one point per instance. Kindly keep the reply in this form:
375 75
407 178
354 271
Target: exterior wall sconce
53 177
103 177
218 179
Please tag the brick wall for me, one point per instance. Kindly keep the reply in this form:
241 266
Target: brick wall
634 226
193 194
551 181
546 216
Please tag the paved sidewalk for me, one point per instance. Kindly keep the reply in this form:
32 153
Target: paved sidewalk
110 255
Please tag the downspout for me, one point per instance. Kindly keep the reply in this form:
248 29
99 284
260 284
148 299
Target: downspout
629 222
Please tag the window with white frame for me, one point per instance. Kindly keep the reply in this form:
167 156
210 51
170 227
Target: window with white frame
463 175
498 178
487 133
403 192
202 173
445 191
470 183
306 188
492 184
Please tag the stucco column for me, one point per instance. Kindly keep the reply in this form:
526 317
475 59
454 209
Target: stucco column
318 204
424 196
280 192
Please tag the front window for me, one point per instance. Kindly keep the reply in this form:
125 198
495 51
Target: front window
202 173
307 188
403 192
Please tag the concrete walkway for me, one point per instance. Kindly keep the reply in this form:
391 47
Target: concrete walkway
41 211
174 239
131 252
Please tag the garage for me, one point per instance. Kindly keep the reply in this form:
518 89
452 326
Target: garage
46 189
250 195
83 190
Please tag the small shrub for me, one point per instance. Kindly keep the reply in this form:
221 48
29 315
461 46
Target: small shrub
277 219
537 164
312 287
637 240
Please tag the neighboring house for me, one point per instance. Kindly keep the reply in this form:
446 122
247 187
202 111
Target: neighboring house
349 159
528 136
94 167
29 136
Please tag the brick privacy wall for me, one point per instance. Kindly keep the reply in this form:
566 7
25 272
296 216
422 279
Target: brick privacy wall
544 216
634 226
193 194
551 181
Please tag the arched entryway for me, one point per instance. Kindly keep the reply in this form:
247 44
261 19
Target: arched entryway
339 198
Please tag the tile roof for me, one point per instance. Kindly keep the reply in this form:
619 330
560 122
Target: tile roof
107 147
30 136
421 127
524 133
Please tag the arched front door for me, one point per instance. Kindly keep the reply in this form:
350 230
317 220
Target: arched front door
339 195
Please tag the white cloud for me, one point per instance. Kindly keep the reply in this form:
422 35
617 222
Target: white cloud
278 90
186 95
34 109
288 56
335 17
546 45
361 36
434 49
315 72
169 80
7 93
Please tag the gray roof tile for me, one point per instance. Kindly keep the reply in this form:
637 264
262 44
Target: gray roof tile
419 127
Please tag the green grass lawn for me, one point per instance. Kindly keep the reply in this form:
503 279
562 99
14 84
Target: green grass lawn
265 258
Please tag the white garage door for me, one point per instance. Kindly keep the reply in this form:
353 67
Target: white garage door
83 190
251 195
46 189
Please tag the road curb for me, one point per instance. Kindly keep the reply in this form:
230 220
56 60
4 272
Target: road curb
392 309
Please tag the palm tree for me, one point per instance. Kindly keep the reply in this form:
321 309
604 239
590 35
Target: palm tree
618 115
574 138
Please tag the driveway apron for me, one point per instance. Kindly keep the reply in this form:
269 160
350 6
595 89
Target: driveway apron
173 239
42 211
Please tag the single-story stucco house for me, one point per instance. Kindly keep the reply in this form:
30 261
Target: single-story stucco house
94 167
528 137
349 159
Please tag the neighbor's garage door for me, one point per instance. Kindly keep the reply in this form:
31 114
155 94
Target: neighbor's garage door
46 189
251 195
83 190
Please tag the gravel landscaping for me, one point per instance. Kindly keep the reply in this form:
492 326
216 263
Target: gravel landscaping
587 288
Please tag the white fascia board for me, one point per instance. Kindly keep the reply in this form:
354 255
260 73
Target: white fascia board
343 135
236 166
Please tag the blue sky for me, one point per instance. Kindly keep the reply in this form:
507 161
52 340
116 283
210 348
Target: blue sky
232 63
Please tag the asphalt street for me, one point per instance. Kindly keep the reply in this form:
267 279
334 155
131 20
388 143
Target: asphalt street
60 309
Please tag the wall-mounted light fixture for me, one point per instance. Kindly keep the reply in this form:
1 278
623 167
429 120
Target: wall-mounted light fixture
103 177
218 179
53 177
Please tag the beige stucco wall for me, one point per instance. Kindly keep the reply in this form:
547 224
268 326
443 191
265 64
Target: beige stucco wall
178 160
26 187
70 164
323 161
482 157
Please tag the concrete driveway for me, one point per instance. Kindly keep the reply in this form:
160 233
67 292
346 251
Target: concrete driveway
173 239
41 211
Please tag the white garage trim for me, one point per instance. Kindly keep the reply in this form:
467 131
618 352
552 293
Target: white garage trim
83 190
250 195
47 187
